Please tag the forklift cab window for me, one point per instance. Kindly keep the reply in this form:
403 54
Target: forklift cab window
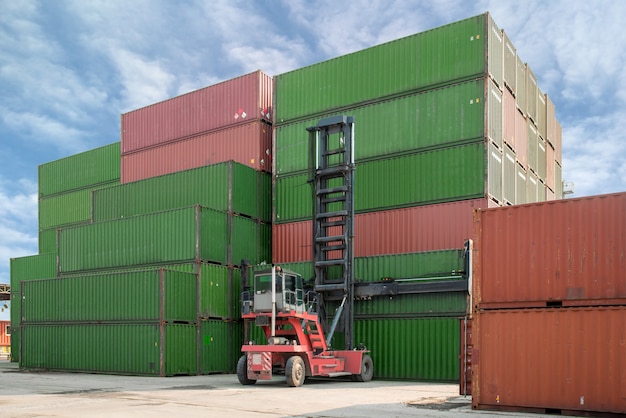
263 284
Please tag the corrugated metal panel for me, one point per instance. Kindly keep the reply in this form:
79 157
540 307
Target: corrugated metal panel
532 187
521 139
417 349
533 144
407 230
149 295
438 56
139 349
532 91
564 250
250 240
466 357
558 143
233 187
550 121
5 334
550 162
541 114
495 52
520 185
509 176
162 237
578 358
80 171
220 346
494 177
494 122
249 144
558 181
441 175
448 115
235 101
67 208
40 266
47 242
521 96
541 158
508 115
510 64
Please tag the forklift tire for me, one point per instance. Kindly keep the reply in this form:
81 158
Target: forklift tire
242 371
367 370
294 371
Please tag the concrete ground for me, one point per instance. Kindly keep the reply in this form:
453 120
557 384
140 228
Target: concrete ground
54 394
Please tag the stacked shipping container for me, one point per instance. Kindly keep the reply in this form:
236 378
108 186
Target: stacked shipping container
435 138
147 280
548 292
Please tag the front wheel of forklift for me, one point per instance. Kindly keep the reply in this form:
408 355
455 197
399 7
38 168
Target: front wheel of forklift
242 371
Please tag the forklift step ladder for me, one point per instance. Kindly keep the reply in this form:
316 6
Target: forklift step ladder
333 223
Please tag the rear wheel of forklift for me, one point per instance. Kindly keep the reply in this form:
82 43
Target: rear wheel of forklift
294 371
367 370
242 371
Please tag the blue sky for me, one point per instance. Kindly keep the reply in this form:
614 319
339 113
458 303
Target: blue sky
69 68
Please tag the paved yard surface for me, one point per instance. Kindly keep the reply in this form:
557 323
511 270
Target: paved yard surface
52 394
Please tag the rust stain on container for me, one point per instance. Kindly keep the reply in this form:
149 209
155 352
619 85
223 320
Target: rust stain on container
248 144
562 360
559 252
235 101
406 230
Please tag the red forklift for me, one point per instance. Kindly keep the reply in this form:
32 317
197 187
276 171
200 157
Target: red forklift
294 322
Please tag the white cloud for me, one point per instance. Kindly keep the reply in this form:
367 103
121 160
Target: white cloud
18 222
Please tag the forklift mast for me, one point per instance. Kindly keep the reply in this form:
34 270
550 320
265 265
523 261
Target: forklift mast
333 222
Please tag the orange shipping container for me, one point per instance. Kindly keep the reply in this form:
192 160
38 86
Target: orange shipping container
406 230
566 360
248 144
569 252
232 102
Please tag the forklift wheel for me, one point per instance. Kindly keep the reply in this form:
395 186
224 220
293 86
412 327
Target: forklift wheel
294 371
242 371
367 370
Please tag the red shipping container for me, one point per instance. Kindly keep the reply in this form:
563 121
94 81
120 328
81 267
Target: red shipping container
236 101
564 360
248 144
570 252
415 229
5 335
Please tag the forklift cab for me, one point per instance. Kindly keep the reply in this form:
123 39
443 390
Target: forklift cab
289 293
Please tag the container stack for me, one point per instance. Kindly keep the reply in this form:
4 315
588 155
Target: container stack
549 292
149 282
225 121
441 129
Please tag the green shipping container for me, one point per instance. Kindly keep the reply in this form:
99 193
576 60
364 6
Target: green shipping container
450 53
220 289
31 267
149 295
443 175
412 348
80 171
135 349
68 208
47 241
187 234
227 187
220 345
436 118
412 305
